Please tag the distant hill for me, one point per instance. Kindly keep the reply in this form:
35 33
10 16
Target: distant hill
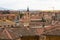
1 8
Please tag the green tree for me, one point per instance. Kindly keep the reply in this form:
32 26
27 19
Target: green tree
6 12
21 15
43 20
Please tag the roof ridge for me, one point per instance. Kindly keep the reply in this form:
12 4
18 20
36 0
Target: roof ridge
8 34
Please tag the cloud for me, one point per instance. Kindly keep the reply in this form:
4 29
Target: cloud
33 4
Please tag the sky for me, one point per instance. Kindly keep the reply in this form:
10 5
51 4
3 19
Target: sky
32 4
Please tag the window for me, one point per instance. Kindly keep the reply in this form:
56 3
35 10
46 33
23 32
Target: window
0 18
8 25
0 26
12 26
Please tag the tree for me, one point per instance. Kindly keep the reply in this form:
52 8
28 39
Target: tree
21 15
43 20
6 12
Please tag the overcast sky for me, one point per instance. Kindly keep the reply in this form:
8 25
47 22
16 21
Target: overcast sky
33 4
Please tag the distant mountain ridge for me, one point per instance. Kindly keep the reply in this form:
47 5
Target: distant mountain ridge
1 8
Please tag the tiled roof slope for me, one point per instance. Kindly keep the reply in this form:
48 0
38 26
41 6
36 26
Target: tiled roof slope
13 33
54 30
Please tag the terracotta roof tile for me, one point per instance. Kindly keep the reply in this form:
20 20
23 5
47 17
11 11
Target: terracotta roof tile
22 31
54 30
